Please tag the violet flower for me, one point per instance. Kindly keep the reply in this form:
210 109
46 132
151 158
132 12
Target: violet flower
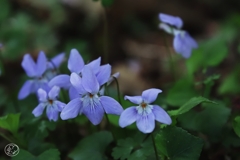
34 71
183 43
75 65
90 102
53 65
145 113
49 100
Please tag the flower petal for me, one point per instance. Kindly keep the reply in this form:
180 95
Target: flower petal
110 105
29 66
150 95
52 113
115 75
53 93
161 115
183 44
128 117
89 80
172 20
73 93
94 113
25 90
60 105
62 80
75 61
146 124
134 99
56 61
38 111
76 80
104 74
166 28
95 65
41 63
42 95
72 109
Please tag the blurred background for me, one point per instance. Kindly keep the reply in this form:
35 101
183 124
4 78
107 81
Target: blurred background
126 35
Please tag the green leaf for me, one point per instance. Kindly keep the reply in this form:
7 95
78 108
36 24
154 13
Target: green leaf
51 154
231 83
181 92
133 148
189 105
210 121
236 125
10 122
107 3
23 155
177 144
92 147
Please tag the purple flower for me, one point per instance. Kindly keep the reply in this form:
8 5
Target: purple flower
144 114
90 102
172 20
34 71
183 43
53 65
75 65
49 100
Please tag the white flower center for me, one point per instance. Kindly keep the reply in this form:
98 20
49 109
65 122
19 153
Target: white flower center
90 100
144 109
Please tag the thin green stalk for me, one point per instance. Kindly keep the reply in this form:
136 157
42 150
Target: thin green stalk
171 59
5 137
154 146
118 90
109 125
105 35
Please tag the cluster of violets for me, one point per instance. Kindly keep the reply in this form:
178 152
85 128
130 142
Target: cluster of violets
87 82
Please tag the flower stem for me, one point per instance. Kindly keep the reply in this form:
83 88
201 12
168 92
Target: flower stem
154 146
109 125
105 35
171 59
118 90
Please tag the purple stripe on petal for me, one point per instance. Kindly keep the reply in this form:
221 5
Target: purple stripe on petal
29 66
75 61
42 95
53 93
161 115
25 90
72 109
38 111
52 113
172 20
110 105
89 80
128 117
150 95
95 65
41 64
62 80
134 99
104 74
146 124
94 113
